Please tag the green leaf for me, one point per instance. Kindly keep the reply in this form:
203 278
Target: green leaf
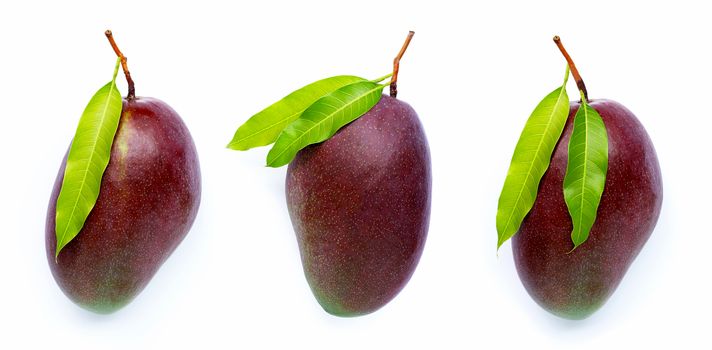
586 170
87 160
323 118
530 161
263 128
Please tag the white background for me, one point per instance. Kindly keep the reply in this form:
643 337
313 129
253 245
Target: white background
473 73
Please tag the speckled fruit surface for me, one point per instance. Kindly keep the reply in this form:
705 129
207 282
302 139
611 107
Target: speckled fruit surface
575 285
360 207
149 197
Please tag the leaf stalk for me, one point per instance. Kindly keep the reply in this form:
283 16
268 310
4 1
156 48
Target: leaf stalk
380 79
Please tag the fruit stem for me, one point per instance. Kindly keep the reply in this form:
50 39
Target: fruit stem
132 91
396 64
574 71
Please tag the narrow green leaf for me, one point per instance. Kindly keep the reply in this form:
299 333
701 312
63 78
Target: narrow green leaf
87 160
263 128
586 170
323 118
530 160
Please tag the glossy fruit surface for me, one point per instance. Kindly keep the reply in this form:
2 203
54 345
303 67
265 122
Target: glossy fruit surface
574 285
149 197
360 206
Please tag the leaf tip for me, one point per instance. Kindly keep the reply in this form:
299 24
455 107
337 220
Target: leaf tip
273 164
56 252
500 241
269 163
239 145
577 240
275 161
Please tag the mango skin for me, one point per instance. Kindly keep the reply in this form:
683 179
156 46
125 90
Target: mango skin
360 207
149 197
576 284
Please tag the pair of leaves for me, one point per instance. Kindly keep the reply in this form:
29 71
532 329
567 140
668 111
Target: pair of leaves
309 115
263 128
586 167
87 159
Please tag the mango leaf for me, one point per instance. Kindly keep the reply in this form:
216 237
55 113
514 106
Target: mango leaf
87 160
263 128
586 170
530 161
323 118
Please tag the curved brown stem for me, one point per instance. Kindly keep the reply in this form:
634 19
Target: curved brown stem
396 64
132 91
572 66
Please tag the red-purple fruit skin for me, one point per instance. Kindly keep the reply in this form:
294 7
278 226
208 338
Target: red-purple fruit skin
149 197
574 285
360 207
